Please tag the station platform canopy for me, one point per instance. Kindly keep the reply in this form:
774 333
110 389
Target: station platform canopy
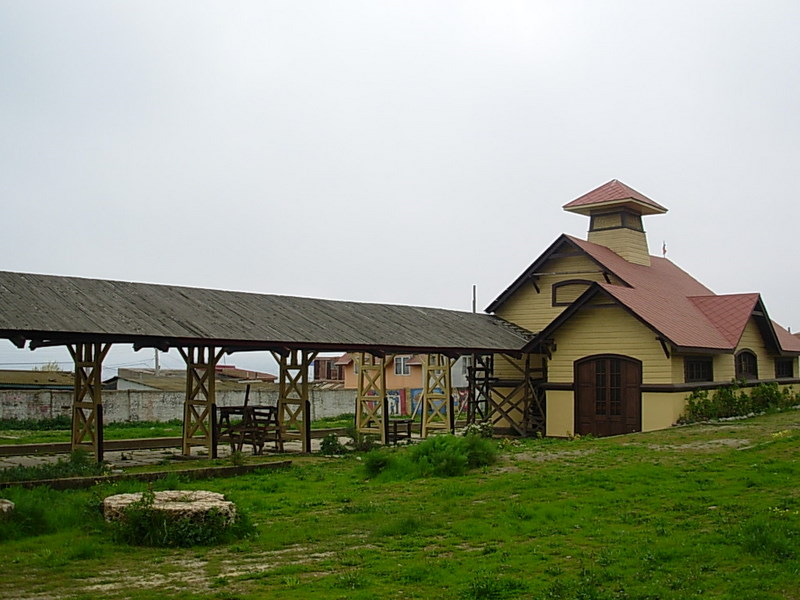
44 310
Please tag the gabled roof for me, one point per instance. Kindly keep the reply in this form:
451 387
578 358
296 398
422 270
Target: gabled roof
708 323
729 314
46 309
661 272
667 299
614 193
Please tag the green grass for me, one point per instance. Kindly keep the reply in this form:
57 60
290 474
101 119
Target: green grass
59 430
702 511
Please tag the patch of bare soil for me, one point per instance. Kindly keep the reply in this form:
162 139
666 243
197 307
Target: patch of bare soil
192 574
711 445
540 457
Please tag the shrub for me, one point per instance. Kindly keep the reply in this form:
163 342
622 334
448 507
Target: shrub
377 461
331 445
362 442
731 401
439 456
482 429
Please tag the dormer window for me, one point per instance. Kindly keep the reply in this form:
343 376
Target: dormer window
566 292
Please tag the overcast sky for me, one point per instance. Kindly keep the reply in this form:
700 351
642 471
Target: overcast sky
393 152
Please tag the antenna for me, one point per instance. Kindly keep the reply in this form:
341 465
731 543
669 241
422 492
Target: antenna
474 298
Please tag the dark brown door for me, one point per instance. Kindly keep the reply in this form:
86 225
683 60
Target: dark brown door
608 396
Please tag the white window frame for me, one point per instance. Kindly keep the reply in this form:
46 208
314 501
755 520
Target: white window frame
401 366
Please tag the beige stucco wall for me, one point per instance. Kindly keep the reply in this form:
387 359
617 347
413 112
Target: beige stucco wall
560 413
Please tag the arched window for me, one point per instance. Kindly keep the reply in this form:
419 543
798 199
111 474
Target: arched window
566 292
746 365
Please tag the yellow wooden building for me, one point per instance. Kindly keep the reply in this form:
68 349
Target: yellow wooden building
622 337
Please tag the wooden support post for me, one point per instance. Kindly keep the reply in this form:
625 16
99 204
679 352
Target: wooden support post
518 403
479 379
294 402
372 416
200 403
87 404
437 393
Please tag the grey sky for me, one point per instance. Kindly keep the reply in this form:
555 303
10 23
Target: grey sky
393 151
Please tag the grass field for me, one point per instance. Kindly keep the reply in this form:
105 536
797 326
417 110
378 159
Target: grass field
702 511
30 432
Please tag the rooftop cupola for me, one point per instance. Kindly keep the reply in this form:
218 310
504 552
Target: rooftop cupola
615 211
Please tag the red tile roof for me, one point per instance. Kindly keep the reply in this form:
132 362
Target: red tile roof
679 307
729 314
344 359
612 193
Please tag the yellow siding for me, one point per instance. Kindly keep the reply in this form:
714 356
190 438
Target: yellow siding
751 340
678 374
605 221
724 368
608 330
534 311
661 410
629 244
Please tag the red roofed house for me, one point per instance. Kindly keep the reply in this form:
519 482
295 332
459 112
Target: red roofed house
623 337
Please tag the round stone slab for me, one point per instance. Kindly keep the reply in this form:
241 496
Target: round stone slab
176 503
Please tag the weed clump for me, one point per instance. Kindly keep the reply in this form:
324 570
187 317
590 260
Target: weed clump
79 464
438 456
331 446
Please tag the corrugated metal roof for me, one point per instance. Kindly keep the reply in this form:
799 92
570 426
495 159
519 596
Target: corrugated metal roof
70 308
36 379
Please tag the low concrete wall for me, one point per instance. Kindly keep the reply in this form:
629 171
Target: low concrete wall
135 405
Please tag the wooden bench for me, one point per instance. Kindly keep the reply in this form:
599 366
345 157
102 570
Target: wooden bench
253 425
399 429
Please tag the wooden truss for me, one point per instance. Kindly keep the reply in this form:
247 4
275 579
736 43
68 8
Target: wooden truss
87 405
372 406
437 394
200 404
479 379
520 402
294 402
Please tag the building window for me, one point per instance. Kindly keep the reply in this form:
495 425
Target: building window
746 366
466 364
608 387
784 368
698 369
566 292
401 365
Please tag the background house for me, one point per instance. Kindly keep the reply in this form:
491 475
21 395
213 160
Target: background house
404 373
36 380
174 380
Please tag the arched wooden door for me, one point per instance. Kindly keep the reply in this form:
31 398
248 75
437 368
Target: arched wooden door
608 395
